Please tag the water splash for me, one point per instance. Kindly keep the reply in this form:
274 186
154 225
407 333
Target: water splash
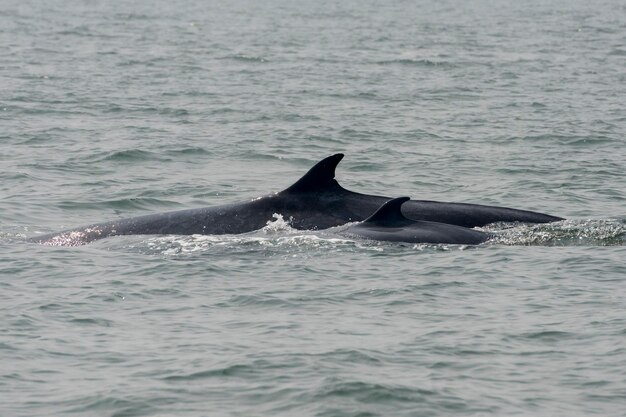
279 225
278 238
609 232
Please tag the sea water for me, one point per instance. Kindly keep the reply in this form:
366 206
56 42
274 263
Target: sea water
123 108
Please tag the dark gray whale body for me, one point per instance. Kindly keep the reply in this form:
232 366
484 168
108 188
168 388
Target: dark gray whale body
389 224
316 201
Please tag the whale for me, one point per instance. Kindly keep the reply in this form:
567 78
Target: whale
389 224
316 201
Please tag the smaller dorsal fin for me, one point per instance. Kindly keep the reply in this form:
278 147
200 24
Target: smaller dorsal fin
320 177
389 214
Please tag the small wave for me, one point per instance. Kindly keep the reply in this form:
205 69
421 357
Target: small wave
353 356
358 95
246 58
256 300
89 321
131 16
367 392
548 336
570 140
45 111
414 62
129 155
114 406
233 370
163 111
196 150
6 346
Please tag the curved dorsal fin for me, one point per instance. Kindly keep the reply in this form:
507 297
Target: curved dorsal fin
389 214
321 176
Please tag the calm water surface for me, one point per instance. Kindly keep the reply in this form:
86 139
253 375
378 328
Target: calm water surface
116 109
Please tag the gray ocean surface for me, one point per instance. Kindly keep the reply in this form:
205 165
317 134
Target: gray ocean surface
123 108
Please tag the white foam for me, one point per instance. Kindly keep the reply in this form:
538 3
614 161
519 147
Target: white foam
564 233
279 225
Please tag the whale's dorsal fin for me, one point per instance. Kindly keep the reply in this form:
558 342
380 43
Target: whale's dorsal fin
389 214
321 176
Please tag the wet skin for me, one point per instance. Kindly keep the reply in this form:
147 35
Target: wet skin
316 201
